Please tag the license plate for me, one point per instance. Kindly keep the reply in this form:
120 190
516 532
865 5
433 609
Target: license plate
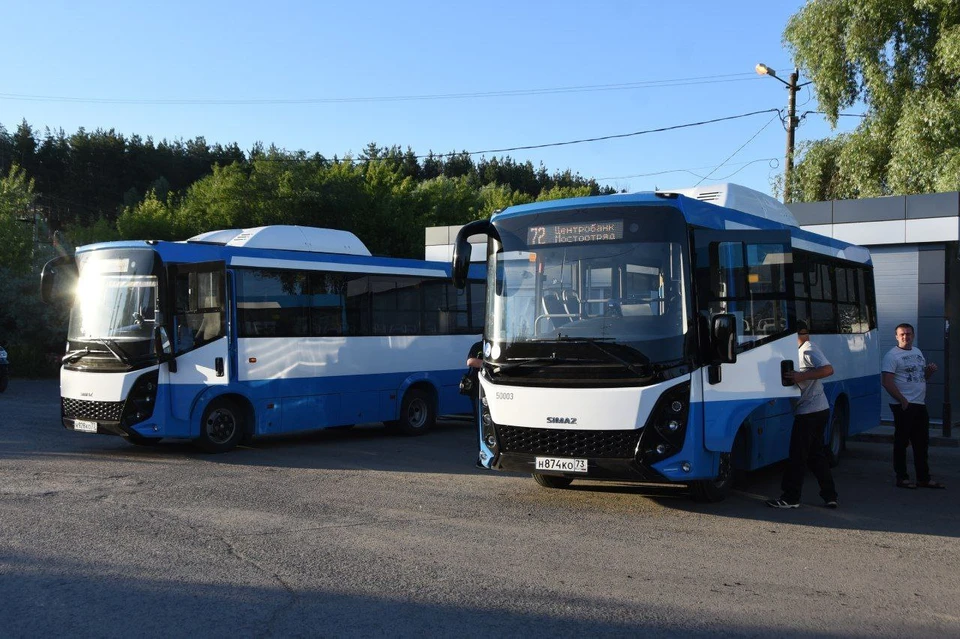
561 464
84 426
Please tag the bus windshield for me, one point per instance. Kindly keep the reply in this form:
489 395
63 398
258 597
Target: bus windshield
116 297
616 280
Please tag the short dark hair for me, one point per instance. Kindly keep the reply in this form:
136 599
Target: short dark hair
802 326
904 325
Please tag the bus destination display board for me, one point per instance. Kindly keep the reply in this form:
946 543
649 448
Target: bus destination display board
578 232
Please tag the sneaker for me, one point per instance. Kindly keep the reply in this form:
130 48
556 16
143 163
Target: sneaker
832 504
780 503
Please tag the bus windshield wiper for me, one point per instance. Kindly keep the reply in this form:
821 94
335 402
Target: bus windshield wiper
114 350
531 361
601 344
73 356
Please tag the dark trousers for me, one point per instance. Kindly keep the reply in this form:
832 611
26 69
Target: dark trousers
911 427
807 450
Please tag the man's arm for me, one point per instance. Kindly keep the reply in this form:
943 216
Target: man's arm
814 373
886 380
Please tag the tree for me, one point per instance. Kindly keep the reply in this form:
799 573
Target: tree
16 238
901 59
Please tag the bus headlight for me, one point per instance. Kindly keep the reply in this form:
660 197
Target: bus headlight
141 400
488 430
666 428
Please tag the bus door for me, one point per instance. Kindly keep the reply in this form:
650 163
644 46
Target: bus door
746 276
198 296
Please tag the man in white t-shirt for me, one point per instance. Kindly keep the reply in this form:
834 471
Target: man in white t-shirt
810 416
905 373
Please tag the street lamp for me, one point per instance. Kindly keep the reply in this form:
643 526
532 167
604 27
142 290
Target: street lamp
791 123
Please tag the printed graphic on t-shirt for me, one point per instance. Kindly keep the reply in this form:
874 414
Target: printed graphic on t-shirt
913 368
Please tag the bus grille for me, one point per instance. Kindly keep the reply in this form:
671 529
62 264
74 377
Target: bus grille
97 411
621 444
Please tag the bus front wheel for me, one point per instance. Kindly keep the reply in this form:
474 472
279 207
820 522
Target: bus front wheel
418 413
837 440
552 481
221 428
716 489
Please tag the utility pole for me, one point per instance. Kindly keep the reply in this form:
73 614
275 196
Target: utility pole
791 122
791 129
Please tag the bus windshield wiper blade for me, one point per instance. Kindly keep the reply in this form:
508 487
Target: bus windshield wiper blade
531 361
118 353
73 356
602 345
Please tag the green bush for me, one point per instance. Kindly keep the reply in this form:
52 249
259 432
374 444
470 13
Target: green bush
32 360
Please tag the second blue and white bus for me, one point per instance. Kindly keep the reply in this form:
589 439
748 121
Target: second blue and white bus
644 337
271 330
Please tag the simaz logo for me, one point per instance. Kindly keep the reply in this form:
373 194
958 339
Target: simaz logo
561 420
86 394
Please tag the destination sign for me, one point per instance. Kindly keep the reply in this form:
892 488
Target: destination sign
575 233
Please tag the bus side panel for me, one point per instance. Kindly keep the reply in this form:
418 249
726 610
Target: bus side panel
197 369
745 386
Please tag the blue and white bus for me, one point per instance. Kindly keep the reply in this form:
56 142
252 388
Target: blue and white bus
238 333
643 337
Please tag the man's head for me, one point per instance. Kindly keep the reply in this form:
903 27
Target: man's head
803 333
905 336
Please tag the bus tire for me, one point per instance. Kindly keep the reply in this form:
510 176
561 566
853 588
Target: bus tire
552 481
418 413
838 441
714 490
221 428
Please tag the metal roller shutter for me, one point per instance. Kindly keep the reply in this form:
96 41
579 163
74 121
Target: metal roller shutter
896 273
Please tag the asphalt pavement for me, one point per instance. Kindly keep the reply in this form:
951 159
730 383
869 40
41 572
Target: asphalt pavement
361 533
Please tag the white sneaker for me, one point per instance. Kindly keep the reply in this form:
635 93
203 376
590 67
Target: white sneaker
780 503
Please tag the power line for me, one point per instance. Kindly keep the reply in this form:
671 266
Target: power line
773 163
741 147
617 135
545 145
625 86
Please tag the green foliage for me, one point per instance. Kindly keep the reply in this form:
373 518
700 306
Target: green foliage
32 332
100 231
561 192
901 58
16 238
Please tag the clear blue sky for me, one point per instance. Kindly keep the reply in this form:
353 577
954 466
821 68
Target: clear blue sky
325 77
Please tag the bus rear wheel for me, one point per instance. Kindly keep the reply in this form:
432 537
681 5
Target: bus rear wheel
221 428
418 413
552 481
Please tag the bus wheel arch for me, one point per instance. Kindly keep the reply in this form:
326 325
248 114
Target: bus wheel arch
730 472
837 434
225 423
418 410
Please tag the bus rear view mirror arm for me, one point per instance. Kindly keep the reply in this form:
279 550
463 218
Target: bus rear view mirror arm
462 251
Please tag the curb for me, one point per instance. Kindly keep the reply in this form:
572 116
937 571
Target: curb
887 438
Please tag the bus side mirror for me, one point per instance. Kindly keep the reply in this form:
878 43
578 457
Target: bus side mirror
462 251
723 338
56 279
164 348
